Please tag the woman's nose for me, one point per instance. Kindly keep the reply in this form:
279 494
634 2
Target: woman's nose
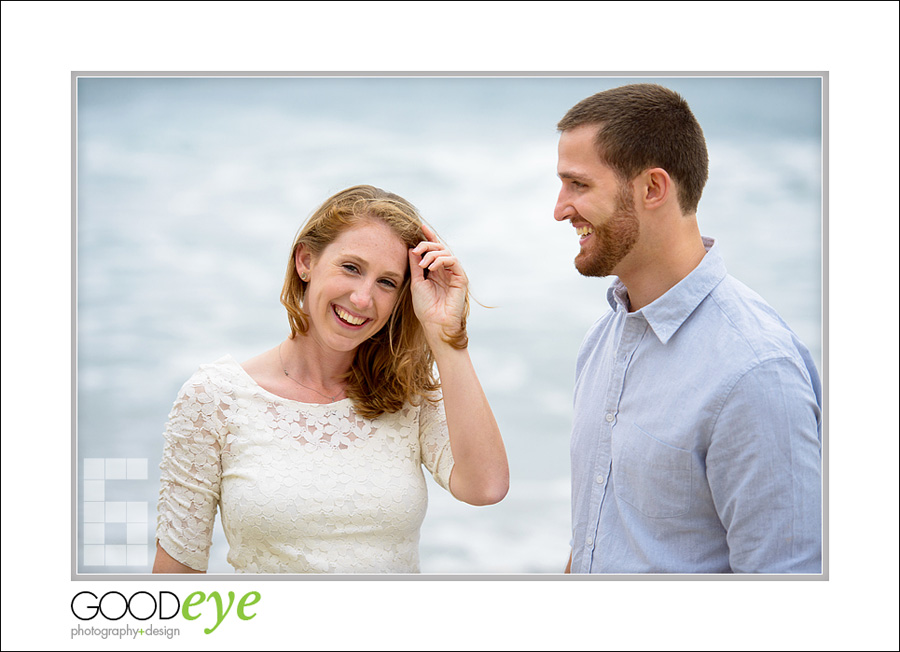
362 296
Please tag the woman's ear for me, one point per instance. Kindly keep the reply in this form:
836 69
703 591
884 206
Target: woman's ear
303 261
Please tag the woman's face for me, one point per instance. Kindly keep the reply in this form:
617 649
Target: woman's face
353 284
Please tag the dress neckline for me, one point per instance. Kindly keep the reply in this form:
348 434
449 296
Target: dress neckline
229 359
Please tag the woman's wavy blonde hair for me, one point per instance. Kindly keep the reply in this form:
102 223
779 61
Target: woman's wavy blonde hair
396 364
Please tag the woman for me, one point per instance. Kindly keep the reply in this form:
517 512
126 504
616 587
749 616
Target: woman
313 450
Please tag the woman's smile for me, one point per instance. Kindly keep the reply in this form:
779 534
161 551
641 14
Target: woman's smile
349 319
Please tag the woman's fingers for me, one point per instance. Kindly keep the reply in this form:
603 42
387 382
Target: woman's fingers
435 256
427 245
431 235
435 259
431 253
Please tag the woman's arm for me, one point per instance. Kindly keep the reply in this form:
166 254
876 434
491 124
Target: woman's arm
190 475
480 473
165 564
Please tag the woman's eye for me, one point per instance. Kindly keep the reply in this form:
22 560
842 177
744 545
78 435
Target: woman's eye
389 283
350 268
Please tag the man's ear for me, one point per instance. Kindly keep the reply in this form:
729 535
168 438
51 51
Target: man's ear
657 188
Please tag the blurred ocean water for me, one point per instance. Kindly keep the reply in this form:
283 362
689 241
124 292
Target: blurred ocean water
190 191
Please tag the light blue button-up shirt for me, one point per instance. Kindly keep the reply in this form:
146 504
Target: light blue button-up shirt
696 442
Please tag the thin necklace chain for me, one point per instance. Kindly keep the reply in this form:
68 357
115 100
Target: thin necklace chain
284 369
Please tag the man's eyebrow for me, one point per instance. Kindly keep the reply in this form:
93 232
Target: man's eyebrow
574 176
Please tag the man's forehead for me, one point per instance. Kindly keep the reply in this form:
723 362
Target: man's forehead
579 143
578 158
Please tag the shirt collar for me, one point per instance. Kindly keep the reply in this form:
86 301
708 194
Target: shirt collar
669 312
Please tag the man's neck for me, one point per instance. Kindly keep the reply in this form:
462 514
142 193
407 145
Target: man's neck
660 267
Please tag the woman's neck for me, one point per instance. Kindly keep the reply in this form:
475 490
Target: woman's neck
307 362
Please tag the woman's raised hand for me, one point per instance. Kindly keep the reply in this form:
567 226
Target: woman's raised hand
439 301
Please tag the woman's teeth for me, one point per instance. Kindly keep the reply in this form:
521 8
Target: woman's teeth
347 317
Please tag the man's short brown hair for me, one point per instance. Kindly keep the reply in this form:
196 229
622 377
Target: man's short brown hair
644 126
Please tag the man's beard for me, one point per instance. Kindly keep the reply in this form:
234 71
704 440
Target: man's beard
611 240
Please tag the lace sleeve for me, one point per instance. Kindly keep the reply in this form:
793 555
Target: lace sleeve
434 442
190 474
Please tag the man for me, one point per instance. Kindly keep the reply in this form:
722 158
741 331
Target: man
696 441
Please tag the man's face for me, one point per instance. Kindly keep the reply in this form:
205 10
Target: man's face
597 203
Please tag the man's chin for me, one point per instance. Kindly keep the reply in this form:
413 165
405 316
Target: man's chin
588 267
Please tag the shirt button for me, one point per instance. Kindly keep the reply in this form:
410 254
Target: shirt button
590 541
599 479
609 417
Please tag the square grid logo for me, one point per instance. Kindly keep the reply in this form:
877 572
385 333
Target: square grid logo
115 532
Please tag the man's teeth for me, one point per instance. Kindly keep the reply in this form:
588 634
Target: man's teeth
347 317
583 230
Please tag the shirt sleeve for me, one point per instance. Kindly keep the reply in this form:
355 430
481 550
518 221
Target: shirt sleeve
434 441
190 474
764 470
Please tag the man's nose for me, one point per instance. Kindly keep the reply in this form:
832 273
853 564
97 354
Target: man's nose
563 210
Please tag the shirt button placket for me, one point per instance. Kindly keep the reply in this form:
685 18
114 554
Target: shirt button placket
633 331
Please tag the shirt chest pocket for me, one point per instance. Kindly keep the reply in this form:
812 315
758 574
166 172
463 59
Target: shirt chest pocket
650 475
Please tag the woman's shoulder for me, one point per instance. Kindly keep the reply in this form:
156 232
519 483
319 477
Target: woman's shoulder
426 408
222 367
211 378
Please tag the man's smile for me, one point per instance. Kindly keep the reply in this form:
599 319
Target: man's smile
583 231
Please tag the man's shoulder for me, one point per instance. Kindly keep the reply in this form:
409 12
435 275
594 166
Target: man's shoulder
746 325
600 326
600 329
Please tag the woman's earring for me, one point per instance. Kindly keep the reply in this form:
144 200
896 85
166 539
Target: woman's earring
304 276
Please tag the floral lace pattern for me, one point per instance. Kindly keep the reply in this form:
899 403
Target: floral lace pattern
301 488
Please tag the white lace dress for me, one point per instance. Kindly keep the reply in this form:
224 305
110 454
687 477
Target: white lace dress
301 488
